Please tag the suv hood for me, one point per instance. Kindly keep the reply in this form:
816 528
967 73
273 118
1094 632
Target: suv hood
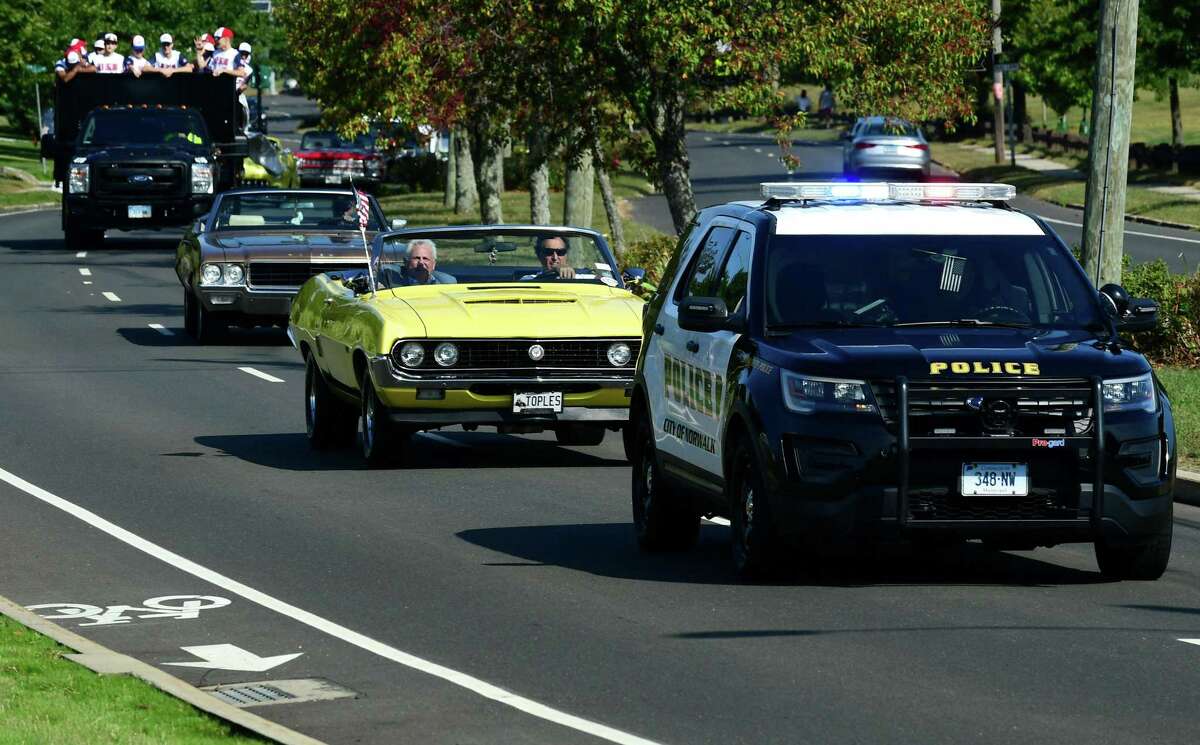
876 353
525 310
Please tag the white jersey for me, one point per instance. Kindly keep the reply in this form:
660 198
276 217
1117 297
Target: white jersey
227 59
136 63
241 82
109 63
174 59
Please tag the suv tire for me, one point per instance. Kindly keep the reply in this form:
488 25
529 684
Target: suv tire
754 540
662 517
1144 561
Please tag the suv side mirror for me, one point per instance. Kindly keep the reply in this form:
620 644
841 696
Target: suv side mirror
1132 315
704 314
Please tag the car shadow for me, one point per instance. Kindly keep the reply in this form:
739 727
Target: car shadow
113 244
290 451
610 550
257 337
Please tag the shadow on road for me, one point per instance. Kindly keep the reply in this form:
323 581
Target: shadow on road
112 245
609 550
258 337
290 451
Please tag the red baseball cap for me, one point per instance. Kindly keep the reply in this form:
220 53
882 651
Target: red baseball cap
223 33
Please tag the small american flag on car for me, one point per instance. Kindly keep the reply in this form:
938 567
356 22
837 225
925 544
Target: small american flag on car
363 206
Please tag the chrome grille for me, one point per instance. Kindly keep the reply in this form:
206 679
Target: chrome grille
293 274
141 179
511 356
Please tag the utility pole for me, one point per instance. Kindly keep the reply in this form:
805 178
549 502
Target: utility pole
997 84
1108 151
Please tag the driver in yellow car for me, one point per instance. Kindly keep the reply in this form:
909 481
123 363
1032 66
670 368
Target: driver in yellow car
552 253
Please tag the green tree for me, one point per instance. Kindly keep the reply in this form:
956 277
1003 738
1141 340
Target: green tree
1168 54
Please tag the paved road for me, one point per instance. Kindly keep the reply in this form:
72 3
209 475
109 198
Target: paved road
150 467
731 167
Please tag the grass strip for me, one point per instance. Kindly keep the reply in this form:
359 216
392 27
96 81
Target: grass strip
1065 189
45 698
1183 386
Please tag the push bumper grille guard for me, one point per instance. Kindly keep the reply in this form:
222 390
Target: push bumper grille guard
908 444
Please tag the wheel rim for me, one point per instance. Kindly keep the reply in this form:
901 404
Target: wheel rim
368 420
647 500
747 513
312 400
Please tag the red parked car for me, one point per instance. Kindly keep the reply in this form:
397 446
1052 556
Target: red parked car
327 159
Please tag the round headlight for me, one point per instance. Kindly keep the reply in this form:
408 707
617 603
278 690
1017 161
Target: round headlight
210 274
445 354
412 354
234 274
618 354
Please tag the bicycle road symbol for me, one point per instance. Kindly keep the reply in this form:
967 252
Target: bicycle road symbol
179 607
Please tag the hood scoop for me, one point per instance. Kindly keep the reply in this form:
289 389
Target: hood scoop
517 301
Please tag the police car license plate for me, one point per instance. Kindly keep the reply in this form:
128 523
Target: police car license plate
139 211
995 480
545 402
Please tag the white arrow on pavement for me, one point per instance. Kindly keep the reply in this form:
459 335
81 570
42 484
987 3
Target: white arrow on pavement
1191 641
231 657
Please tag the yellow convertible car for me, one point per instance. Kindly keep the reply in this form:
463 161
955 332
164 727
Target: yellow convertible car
524 328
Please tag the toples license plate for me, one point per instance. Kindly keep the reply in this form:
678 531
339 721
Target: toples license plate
545 402
995 480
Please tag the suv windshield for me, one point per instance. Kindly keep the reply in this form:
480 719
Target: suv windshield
322 141
283 211
480 257
144 127
895 280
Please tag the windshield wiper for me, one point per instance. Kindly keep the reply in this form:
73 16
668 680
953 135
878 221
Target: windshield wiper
965 322
841 324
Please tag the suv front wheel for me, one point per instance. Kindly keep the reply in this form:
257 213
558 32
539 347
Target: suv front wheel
754 540
1145 561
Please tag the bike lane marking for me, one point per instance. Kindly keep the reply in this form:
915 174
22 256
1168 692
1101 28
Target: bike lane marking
463 680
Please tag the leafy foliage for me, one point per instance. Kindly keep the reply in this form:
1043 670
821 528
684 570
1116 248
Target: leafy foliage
1176 341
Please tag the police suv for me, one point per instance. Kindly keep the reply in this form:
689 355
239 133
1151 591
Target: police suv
874 360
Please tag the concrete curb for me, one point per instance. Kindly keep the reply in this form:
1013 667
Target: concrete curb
20 209
104 661
1128 218
1187 487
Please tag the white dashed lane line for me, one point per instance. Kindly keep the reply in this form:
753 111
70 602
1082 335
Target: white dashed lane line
261 374
112 296
1191 641
717 520
81 254
87 281
85 271
162 329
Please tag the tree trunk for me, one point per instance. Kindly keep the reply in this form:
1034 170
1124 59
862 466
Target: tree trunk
451 195
1108 149
578 195
539 180
670 150
1176 114
616 231
466 194
490 177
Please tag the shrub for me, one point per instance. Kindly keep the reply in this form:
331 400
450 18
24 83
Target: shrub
651 254
1176 340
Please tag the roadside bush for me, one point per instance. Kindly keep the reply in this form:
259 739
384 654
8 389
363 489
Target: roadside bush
651 254
1176 341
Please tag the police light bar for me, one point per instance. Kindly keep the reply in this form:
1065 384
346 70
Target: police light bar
889 192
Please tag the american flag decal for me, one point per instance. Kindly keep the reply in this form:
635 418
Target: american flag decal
952 273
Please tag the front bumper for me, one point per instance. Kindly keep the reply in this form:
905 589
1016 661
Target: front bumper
851 476
112 213
488 400
271 305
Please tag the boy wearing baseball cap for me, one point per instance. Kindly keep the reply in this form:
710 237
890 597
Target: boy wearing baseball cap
226 60
168 60
136 62
109 62
73 62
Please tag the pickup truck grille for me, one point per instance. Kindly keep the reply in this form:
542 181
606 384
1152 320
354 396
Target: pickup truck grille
141 180
1018 408
292 273
511 356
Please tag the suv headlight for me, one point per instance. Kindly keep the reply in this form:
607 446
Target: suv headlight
79 180
202 178
1130 394
805 394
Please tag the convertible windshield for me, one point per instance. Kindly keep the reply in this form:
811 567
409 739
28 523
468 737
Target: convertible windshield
144 127
480 257
283 211
890 280
324 140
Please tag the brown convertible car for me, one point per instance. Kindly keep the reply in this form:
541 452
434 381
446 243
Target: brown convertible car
242 263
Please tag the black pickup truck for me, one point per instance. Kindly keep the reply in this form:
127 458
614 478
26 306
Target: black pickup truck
149 152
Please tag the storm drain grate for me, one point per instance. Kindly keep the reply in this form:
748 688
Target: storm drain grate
265 692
